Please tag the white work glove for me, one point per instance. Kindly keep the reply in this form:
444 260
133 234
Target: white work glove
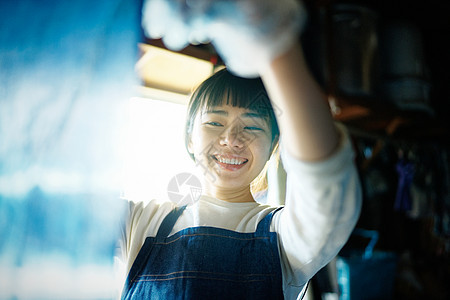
247 34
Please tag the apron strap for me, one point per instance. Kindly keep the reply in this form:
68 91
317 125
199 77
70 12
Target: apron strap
164 230
169 221
264 225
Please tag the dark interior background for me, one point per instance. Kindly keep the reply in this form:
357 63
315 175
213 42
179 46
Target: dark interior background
388 139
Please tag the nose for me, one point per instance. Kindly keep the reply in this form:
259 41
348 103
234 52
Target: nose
233 137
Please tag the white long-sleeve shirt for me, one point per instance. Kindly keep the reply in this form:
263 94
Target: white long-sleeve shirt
323 201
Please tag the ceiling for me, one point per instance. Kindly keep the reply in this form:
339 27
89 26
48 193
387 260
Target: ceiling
168 74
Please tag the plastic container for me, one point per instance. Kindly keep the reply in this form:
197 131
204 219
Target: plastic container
365 273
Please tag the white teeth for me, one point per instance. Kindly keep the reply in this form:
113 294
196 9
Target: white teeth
232 161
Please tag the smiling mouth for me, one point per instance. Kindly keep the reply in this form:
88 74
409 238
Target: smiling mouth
230 160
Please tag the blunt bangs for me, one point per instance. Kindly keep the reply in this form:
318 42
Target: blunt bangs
224 88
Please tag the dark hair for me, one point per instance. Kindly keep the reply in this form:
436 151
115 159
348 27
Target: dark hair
224 88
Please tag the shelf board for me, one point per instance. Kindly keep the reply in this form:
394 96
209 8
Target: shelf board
383 119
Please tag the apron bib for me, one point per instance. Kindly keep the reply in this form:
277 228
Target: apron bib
207 263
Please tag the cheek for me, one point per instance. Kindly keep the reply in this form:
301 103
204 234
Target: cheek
201 141
195 138
262 150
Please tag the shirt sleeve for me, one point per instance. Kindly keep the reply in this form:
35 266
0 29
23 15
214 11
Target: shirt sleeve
140 221
323 202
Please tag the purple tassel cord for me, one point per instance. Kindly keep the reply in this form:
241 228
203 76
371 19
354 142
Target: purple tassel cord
406 171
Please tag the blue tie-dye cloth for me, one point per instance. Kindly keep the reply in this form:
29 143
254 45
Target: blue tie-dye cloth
66 69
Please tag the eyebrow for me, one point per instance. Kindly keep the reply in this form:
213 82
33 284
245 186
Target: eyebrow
217 112
225 113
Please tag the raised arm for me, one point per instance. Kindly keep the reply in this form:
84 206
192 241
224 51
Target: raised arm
323 196
304 118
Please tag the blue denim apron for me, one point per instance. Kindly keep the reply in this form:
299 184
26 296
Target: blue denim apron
207 263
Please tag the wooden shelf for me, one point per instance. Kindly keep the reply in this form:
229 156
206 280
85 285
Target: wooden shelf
382 119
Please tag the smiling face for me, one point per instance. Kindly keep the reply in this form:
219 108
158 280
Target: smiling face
230 131
231 145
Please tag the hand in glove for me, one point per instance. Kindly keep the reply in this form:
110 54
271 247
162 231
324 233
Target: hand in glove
247 34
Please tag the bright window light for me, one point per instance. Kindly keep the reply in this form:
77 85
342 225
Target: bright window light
155 150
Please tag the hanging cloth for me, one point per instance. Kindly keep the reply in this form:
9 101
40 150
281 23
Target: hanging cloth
405 170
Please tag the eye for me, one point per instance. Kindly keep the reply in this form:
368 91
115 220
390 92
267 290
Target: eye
214 124
253 128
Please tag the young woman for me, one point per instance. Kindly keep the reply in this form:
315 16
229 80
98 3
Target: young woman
226 245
